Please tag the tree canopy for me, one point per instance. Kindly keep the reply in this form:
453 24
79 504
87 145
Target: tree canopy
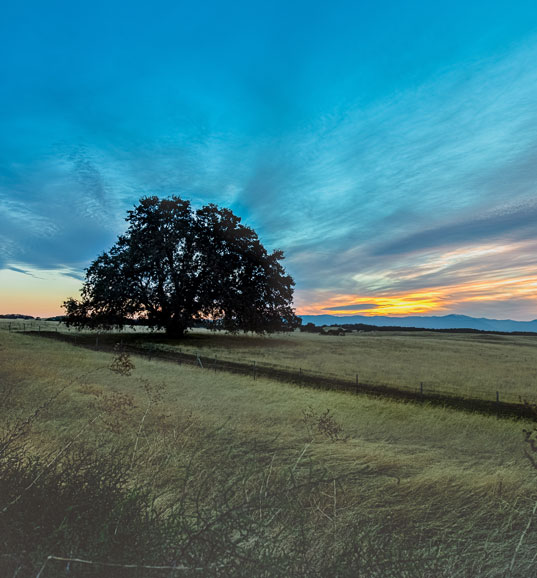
175 266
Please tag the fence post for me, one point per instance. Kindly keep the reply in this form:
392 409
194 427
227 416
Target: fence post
97 341
497 397
357 382
9 327
215 363
253 369
421 387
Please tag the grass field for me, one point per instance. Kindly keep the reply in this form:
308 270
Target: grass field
255 478
476 365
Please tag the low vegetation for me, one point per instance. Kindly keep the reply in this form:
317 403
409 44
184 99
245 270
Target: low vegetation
105 465
474 365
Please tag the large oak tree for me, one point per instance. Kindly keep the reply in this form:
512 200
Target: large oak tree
174 266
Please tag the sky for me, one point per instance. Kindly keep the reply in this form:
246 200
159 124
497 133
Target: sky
388 148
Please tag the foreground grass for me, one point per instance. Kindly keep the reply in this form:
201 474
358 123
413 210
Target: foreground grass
236 477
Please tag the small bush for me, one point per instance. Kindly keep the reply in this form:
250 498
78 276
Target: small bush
324 424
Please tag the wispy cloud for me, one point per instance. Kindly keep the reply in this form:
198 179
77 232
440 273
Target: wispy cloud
63 213
505 222
351 307
23 271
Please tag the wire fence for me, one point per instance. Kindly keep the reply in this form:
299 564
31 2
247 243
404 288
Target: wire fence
493 402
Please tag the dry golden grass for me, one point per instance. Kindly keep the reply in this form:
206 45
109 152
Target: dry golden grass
43 366
441 474
477 365
423 474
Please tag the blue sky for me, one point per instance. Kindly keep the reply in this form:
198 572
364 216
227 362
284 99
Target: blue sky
389 148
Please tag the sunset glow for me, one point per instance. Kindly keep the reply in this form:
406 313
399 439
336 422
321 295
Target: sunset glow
36 293
435 301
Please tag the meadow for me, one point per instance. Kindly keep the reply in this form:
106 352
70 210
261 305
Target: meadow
472 365
214 474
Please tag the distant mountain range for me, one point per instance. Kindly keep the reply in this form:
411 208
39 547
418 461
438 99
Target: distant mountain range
443 322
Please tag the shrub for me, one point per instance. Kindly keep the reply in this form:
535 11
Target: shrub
323 423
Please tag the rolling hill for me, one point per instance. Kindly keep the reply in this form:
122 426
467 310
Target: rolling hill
433 322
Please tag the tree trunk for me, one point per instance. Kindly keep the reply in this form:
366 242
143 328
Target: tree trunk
175 329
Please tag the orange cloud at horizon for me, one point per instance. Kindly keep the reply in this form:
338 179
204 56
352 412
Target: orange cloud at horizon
434 300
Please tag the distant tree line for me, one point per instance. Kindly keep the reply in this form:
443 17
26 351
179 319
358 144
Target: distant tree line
16 316
348 327
322 330
30 317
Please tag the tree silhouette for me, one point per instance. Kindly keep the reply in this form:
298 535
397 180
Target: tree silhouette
175 266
